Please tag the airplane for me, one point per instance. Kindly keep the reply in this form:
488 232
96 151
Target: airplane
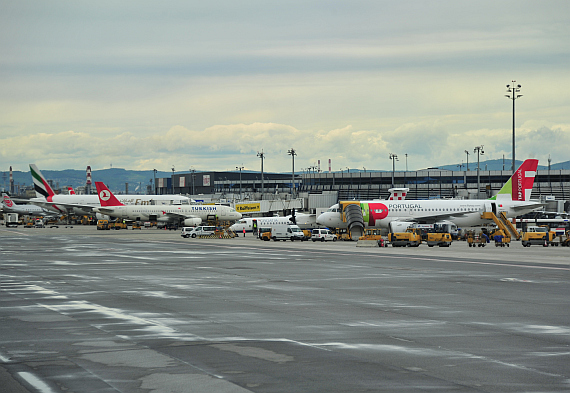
9 206
84 204
190 215
304 221
513 199
70 191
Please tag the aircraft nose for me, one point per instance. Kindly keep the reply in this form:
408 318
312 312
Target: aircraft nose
321 219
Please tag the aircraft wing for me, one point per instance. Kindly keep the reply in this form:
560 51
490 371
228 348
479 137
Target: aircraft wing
434 218
174 215
536 205
49 205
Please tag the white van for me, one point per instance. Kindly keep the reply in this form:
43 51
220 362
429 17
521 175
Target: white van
197 231
286 232
322 235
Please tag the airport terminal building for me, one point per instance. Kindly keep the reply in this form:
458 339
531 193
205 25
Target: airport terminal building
319 189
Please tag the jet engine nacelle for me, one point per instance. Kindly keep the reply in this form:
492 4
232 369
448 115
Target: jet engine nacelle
100 216
399 226
190 222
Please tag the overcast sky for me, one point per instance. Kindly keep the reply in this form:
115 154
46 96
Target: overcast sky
208 85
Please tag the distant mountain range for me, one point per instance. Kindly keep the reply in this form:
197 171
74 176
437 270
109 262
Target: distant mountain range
116 178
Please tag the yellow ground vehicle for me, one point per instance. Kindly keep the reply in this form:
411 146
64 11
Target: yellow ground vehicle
102 224
373 234
501 238
120 225
265 234
438 239
136 225
539 235
411 238
474 240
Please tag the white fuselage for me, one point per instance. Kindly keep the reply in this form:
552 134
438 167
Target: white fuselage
29 210
304 221
170 213
93 200
463 213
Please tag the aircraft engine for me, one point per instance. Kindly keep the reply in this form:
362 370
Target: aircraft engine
190 222
100 216
399 226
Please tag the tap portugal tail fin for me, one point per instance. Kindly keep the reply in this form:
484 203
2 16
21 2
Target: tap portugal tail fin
519 186
106 197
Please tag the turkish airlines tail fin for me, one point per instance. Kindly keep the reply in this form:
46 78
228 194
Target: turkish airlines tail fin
41 186
106 197
519 186
70 191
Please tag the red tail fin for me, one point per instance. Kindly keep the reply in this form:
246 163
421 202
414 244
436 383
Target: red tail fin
106 197
523 180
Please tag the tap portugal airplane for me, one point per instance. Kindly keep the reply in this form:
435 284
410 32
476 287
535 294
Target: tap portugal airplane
190 215
84 204
513 199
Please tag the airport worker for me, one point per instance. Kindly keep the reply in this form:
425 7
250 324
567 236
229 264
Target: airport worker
243 232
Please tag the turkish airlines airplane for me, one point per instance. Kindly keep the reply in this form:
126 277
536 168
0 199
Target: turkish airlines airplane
513 199
82 204
189 214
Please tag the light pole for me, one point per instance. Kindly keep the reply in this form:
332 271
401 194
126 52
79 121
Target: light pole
466 152
193 181
406 161
262 156
478 150
154 178
394 158
292 153
172 180
239 168
513 90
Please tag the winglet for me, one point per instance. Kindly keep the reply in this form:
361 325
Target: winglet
519 186
42 187
106 197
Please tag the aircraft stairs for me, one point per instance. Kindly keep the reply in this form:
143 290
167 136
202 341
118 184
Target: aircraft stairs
503 223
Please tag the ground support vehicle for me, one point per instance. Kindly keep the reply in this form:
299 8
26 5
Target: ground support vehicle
323 235
136 225
500 238
201 231
102 225
566 242
371 236
264 233
287 232
439 239
11 219
120 225
474 240
538 235
411 238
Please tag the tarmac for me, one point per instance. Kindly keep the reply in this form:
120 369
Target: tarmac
146 310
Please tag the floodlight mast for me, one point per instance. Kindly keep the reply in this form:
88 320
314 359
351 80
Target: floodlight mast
513 91
262 156
394 158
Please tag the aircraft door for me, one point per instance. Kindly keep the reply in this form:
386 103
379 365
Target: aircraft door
491 207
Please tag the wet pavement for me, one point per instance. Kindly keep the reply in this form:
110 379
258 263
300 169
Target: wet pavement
147 311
